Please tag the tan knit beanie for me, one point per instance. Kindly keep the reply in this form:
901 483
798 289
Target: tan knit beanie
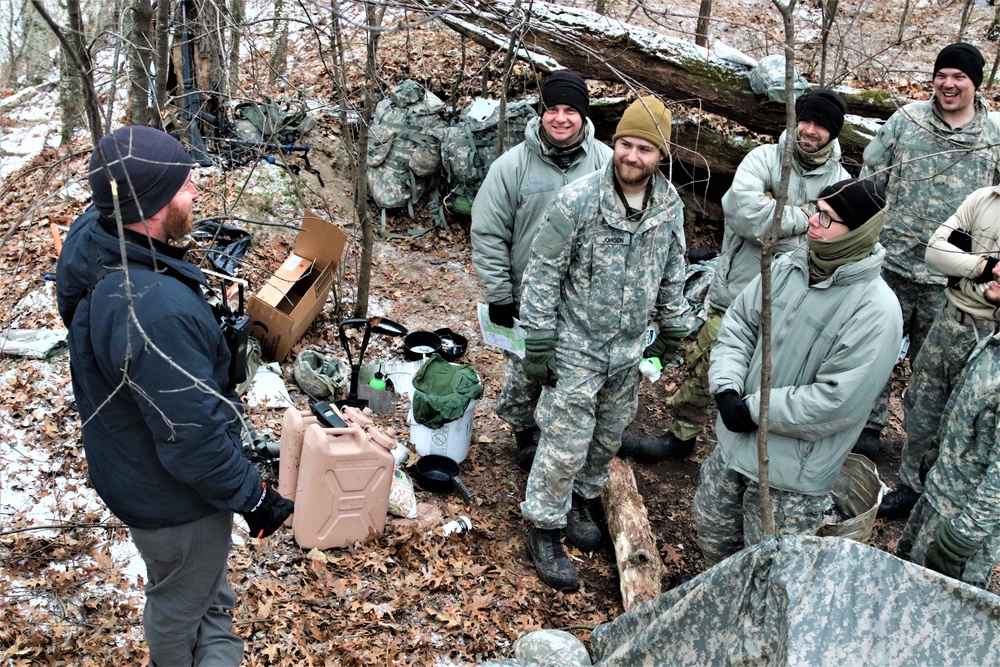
648 119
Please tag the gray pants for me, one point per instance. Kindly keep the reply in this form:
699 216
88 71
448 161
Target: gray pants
922 527
935 372
187 617
727 513
920 305
582 420
518 397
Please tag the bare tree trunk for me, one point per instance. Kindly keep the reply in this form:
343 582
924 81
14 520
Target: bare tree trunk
903 19
704 19
601 7
993 32
140 55
162 61
508 68
374 20
278 60
966 15
829 9
237 14
73 43
70 97
780 197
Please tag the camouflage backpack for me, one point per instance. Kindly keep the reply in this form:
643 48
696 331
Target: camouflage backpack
768 79
404 155
270 122
469 147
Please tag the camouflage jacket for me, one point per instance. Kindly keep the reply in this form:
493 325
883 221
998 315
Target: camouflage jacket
749 211
834 346
928 169
964 484
511 203
979 218
595 278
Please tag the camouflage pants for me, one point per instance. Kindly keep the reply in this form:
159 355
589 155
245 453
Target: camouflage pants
727 513
935 371
920 305
692 402
920 530
518 397
582 420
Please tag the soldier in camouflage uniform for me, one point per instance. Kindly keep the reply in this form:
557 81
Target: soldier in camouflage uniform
749 206
558 148
955 526
835 327
929 156
965 249
609 253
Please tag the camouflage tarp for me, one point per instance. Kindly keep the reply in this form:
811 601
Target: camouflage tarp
800 600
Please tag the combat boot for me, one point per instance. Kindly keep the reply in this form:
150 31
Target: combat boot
580 527
527 445
868 442
553 566
630 445
655 449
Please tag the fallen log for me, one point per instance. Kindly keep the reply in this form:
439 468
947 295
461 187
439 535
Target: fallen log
640 568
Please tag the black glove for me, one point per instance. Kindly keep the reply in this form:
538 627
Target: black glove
949 552
961 240
663 346
734 412
503 314
269 513
540 358
987 274
926 463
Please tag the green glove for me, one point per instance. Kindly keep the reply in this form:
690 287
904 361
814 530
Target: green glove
926 463
663 346
949 552
539 360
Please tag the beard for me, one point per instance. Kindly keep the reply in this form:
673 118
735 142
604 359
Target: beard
178 222
633 175
992 294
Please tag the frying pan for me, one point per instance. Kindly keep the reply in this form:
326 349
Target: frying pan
439 474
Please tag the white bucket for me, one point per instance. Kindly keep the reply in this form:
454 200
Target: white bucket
451 440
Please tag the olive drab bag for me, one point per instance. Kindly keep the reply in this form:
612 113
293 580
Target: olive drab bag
469 147
768 79
404 148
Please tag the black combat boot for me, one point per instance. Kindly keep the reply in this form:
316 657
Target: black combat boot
897 504
655 449
553 567
580 527
868 443
527 443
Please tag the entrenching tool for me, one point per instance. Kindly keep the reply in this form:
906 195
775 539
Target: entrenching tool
379 325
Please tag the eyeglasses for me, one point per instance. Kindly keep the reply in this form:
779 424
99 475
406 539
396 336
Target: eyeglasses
825 219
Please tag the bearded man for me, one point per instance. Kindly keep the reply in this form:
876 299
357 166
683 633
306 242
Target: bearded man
609 253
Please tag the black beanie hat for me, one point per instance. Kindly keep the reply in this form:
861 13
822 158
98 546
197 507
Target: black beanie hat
566 88
855 201
824 107
964 57
150 167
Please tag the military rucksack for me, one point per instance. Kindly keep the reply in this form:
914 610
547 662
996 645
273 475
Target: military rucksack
469 147
270 122
768 79
404 156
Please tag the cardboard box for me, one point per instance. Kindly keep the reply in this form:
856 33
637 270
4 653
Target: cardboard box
282 310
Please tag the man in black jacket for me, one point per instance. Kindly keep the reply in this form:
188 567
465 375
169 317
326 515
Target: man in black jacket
150 371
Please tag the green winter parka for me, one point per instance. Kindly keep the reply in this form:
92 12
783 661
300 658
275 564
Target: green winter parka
833 348
748 212
511 204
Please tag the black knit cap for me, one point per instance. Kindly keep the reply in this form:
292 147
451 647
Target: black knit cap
824 107
149 166
855 201
566 88
964 57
